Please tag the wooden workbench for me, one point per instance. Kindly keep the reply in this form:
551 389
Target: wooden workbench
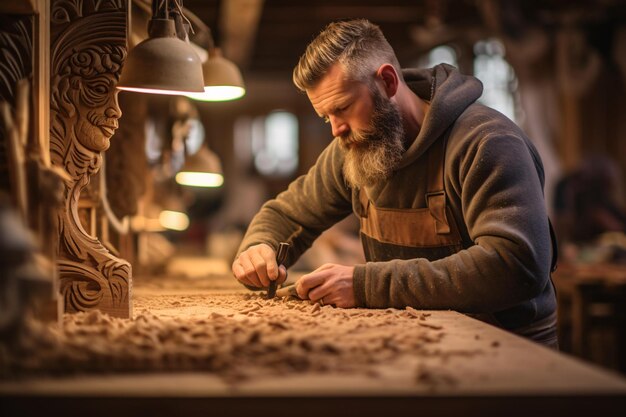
505 375
592 312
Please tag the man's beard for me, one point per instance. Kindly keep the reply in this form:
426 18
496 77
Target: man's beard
374 153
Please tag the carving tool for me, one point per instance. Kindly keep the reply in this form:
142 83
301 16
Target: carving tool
281 256
287 291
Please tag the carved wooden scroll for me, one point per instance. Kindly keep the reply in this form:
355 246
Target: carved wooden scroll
88 47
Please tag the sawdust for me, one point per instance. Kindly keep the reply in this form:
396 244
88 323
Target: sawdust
235 335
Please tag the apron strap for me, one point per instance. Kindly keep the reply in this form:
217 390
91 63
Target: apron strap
436 194
364 200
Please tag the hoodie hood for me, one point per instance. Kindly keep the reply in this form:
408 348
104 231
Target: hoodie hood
449 93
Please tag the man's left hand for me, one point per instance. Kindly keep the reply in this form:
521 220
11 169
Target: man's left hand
330 284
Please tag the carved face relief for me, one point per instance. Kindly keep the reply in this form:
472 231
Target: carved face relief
94 96
98 112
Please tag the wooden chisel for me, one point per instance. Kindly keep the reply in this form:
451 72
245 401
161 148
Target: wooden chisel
289 290
281 256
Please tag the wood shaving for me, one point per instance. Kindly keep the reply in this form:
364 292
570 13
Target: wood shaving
235 335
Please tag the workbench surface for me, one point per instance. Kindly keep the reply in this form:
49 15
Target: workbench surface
440 362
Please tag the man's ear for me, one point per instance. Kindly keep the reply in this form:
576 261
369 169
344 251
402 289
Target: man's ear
389 77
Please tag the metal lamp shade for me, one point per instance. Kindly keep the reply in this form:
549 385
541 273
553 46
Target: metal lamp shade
222 80
162 65
202 169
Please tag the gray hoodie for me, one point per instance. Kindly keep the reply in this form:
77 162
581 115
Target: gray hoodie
494 189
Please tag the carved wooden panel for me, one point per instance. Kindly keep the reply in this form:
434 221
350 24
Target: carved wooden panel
15 64
88 48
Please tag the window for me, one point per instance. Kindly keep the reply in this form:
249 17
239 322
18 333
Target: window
497 76
269 142
443 54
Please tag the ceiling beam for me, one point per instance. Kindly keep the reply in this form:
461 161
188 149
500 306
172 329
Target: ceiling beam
239 21
329 13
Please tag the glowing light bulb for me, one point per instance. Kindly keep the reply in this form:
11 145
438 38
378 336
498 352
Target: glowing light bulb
199 179
174 220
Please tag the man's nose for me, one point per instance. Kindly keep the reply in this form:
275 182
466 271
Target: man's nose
339 126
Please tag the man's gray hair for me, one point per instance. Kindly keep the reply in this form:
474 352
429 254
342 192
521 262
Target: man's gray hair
358 45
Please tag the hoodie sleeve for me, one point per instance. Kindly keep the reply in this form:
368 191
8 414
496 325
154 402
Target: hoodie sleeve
503 208
311 204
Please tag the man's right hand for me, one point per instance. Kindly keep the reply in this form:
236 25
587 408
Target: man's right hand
256 267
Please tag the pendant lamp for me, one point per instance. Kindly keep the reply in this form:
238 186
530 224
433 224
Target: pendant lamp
222 79
165 63
202 169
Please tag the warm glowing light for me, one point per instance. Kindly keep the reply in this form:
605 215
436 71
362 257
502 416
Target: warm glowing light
174 220
218 93
199 179
145 224
156 91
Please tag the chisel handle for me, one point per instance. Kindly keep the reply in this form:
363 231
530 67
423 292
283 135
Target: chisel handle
281 257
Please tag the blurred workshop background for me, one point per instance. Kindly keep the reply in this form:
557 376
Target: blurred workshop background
556 67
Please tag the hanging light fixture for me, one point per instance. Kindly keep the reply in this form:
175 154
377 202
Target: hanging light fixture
174 220
163 209
172 212
202 169
164 219
222 78
165 63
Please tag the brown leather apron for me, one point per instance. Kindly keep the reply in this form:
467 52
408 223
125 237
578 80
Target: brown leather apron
430 232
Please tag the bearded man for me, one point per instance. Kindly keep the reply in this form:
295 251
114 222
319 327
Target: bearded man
449 193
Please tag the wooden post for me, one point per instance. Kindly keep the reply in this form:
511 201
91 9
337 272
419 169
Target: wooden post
88 49
25 44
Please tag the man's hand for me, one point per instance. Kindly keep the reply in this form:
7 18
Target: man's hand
256 267
331 284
